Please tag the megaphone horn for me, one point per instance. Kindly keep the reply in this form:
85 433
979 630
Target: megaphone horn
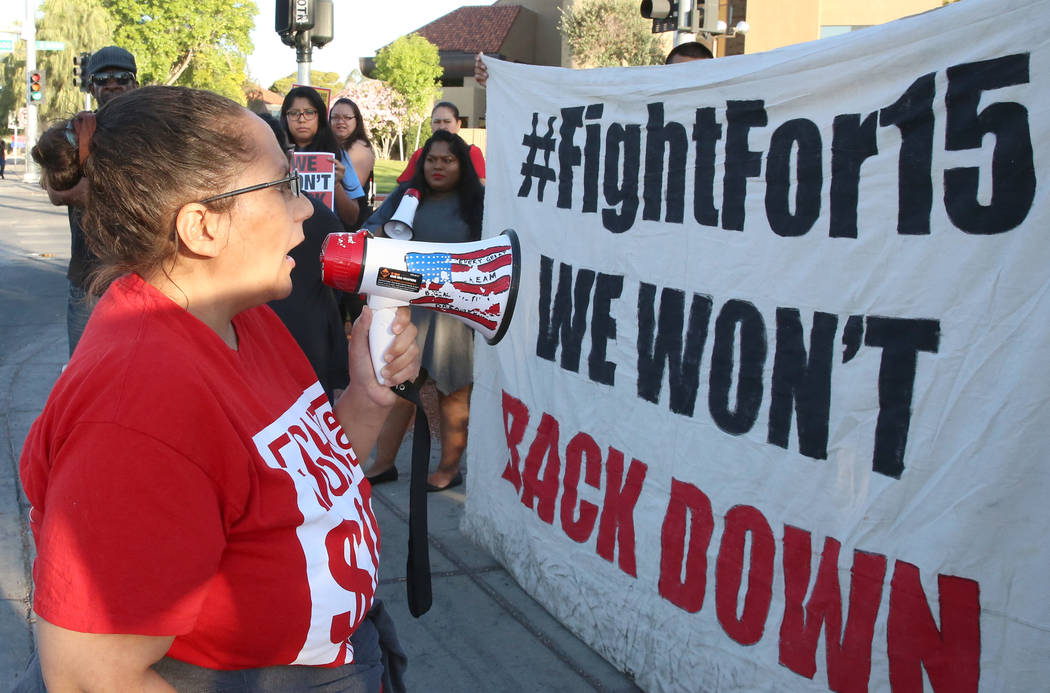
474 282
400 225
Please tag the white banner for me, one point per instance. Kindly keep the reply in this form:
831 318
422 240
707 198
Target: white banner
772 413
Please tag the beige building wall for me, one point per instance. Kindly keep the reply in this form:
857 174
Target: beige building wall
549 47
858 13
776 23
524 37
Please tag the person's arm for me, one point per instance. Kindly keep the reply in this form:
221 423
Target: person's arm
363 158
346 209
364 406
348 176
478 159
481 73
71 197
72 661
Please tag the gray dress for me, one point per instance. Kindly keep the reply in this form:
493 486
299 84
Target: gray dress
447 344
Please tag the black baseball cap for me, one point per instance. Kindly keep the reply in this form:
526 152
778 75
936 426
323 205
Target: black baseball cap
113 57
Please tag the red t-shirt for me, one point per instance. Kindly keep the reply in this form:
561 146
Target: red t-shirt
476 158
182 488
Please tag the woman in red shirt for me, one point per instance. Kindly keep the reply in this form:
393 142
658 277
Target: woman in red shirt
200 517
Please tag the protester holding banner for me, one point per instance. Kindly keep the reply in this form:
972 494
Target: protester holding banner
450 210
776 400
688 52
201 521
306 123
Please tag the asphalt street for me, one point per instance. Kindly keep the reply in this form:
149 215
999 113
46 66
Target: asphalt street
483 632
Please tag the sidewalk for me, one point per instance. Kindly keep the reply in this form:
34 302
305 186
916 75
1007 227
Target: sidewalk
483 632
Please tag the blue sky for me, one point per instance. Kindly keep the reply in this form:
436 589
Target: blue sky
361 28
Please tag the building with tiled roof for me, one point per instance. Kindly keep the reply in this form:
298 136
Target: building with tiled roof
524 31
527 31
262 100
472 29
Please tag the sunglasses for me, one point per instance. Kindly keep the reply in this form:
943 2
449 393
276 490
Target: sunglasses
122 78
292 179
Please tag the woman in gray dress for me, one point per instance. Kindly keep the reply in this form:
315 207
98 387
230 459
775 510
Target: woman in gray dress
450 209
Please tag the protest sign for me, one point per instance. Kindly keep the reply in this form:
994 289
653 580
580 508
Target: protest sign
772 413
317 176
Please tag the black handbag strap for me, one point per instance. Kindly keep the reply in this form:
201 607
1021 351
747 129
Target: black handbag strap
417 571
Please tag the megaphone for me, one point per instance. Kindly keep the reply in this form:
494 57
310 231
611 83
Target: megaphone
474 282
400 225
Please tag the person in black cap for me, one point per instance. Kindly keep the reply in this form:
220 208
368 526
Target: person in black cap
111 71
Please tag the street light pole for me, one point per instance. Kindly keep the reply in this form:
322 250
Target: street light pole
681 32
303 55
32 174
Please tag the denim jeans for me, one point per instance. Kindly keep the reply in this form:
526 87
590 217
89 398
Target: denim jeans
78 310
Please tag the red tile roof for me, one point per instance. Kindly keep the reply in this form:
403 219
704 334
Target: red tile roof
257 93
472 29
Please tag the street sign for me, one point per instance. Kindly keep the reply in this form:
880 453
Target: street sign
7 45
50 46
23 117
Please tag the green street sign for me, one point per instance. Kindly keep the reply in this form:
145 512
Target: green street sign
7 45
50 46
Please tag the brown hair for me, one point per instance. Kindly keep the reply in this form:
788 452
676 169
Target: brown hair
154 150
57 157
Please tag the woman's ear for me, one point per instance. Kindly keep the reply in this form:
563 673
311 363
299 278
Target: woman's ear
201 231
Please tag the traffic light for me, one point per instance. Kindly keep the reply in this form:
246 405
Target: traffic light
36 87
80 75
323 21
664 14
293 15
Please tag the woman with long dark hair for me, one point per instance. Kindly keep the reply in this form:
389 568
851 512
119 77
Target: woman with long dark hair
352 136
450 211
445 116
305 121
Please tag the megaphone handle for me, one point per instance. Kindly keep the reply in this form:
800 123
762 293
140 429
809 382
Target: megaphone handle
380 334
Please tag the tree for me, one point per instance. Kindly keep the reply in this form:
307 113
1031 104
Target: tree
197 43
383 110
610 33
412 67
83 25
329 80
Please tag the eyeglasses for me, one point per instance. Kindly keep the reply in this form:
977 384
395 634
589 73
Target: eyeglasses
305 114
338 116
292 179
122 78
